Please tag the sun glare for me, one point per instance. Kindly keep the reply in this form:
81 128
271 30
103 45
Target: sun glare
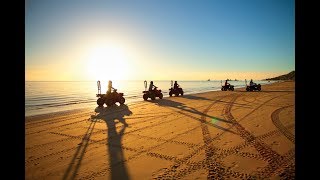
108 63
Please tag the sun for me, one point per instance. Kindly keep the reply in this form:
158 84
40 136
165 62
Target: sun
107 63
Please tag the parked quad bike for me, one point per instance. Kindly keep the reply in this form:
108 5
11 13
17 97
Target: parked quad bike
109 99
152 94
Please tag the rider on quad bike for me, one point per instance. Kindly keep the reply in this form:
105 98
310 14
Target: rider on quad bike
151 85
110 98
110 87
253 86
252 83
152 93
227 86
176 90
175 85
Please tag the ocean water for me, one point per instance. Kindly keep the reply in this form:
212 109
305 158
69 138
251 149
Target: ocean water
48 96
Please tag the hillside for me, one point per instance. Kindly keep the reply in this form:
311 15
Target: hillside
289 76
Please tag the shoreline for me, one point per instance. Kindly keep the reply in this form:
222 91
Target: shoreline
58 112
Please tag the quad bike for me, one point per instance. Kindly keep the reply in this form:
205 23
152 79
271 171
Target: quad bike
175 91
109 99
228 87
255 87
151 94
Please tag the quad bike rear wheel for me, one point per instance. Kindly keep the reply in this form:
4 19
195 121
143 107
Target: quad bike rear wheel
100 102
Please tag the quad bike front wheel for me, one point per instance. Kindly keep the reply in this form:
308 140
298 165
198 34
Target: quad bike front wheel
121 100
160 95
259 88
145 97
232 89
170 93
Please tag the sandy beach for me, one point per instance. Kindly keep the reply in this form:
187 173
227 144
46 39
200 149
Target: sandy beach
223 134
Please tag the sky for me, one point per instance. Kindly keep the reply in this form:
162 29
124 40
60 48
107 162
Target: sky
84 40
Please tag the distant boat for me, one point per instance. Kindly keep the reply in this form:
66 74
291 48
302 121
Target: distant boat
235 79
208 80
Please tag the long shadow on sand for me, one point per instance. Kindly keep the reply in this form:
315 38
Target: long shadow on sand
113 115
203 98
266 91
195 97
278 90
74 165
236 104
183 107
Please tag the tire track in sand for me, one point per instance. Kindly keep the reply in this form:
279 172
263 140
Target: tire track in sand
281 168
215 169
268 154
280 126
275 160
138 154
171 172
80 137
70 137
178 162
217 166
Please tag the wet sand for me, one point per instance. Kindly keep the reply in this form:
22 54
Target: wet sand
228 135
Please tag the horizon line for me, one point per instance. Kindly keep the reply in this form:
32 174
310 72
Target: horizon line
138 80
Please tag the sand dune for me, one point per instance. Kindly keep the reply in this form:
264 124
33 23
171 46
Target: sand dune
231 135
